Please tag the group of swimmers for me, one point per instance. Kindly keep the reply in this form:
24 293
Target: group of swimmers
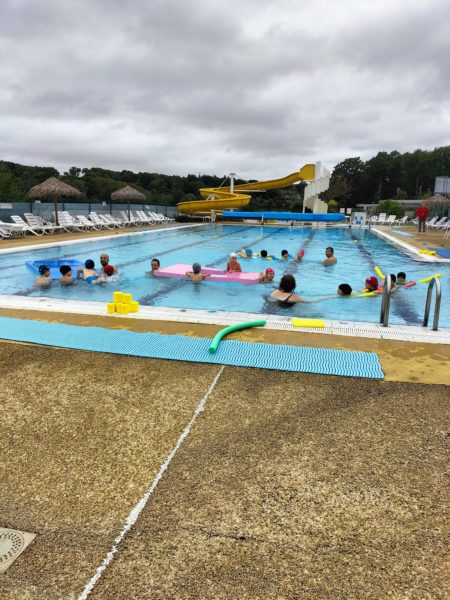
328 261
87 273
286 297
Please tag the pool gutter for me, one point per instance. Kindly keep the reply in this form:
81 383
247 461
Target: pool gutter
408 333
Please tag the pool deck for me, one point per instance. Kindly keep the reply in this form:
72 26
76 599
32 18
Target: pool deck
415 241
212 482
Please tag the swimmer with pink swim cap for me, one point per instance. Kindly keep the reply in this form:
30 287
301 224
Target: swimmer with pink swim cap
299 256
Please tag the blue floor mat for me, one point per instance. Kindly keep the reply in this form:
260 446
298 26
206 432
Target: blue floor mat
178 347
442 252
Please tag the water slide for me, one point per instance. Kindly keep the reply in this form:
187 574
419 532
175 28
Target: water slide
220 199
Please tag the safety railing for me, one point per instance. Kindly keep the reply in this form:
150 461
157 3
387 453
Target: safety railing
437 303
385 302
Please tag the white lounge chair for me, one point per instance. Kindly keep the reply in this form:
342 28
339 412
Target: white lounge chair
110 220
129 221
39 224
390 220
69 223
25 227
381 219
401 221
437 224
143 217
87 222
94 217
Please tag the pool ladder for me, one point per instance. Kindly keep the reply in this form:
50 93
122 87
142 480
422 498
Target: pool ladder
386 302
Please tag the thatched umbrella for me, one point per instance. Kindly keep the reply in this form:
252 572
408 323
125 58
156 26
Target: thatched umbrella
127 193
53 188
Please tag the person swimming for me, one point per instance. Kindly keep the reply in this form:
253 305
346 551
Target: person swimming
88 274
285 293
196 274
299 256
43 279
344 290
233 265
246 253
371 284
401 278
267 276
66 275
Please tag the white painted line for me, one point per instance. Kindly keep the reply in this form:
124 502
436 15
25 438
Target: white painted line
136 511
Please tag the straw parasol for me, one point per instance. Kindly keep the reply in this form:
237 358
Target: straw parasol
126 194
53 188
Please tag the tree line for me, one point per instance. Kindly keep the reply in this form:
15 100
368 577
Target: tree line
386 176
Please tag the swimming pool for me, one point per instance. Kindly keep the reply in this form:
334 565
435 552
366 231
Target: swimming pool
357 251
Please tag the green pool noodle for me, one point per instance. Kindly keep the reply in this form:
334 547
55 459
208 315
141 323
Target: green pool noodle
223 332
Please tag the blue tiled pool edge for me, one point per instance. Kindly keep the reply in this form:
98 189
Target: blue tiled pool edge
176 347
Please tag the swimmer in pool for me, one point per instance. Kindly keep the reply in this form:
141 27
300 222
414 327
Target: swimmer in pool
88 274
196 275
43 279
233 265
246 253
267 276
299 256
285 293
154 266
330 257
264 254
66 275
344 290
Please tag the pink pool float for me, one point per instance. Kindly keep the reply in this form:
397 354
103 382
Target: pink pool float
179 272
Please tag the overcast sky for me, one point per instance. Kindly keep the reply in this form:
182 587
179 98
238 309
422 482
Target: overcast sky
206 86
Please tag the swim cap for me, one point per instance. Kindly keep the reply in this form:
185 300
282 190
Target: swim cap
301 252
249 252
233 255
269 270
43 269
89 264
196 267
109 270
372 281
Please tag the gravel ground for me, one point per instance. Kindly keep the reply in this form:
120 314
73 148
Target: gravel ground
289 485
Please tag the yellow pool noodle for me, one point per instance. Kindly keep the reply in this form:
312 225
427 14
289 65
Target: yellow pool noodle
427 279
366 295
379 273
111 308
127 298
118 297
307 322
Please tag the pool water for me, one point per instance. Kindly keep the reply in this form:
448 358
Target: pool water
357 252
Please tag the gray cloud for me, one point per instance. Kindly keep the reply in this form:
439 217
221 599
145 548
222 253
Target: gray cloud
254 87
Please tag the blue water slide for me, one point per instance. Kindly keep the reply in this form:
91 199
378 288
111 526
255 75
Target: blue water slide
284 216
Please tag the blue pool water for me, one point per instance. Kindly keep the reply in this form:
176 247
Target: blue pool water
357 251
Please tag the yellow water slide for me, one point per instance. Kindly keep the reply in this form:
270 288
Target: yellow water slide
220 199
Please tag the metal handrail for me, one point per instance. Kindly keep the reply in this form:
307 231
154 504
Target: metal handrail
437 303
386 302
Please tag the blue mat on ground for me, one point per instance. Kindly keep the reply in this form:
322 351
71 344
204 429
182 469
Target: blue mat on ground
442 252
178 347
402 232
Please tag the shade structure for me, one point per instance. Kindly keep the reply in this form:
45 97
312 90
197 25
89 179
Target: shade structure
54 189
126 194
